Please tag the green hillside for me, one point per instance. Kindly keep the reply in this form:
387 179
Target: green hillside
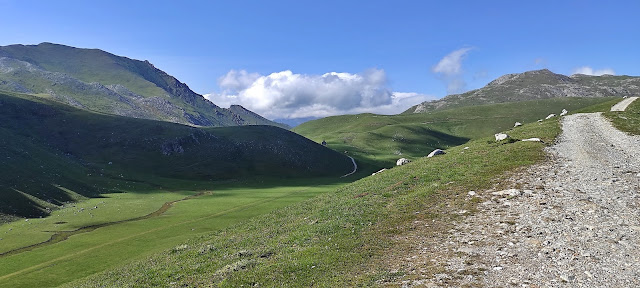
95 80
342 238
381 139
53 153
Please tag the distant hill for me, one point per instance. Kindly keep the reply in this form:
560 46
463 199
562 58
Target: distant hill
51 154
95 80
379 140
539 84
293 122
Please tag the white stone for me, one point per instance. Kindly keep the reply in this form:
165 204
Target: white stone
380 171
508 192
550 116
501 136
472 193
517 124
465 148
435 152
564 112
402 161
532 140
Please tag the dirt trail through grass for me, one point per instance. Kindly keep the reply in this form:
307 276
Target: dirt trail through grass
623 104
60 236
355 167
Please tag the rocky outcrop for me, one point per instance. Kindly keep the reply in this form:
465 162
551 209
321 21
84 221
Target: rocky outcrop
435 153
501 136
538 84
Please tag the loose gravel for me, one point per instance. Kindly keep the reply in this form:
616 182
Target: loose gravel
572 221
622 105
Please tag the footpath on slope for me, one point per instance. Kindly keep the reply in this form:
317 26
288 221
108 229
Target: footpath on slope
622 105
573 221
355 168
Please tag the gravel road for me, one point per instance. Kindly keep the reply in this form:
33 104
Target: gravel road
622 105
573 221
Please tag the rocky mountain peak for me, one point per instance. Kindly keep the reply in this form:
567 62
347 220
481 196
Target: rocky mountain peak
536 84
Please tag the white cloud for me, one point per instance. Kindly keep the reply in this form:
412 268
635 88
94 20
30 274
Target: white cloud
586 70
237 80
289 95
451 64
449 68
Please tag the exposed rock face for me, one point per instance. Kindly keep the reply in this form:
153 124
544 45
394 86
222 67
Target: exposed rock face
436 152
501 136
539 84
402 161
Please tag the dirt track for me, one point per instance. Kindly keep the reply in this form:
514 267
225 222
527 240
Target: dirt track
573 221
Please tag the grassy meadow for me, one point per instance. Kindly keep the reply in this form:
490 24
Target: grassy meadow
113 245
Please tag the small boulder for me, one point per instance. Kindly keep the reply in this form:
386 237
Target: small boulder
380 171
402 161
550 116
518 124
532 140
564 112
508 192
501 136
435 152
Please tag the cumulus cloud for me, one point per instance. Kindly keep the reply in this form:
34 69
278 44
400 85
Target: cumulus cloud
586 70
289 95
449 68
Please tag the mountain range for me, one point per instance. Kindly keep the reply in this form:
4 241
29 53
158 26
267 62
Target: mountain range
534 85
99 81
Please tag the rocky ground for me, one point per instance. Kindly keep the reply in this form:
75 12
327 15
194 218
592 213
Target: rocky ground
573 221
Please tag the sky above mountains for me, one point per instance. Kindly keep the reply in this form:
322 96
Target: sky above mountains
289 59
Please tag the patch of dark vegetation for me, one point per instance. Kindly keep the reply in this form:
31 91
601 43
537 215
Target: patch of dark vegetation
45 145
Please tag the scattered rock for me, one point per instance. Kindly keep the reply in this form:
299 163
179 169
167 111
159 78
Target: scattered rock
508 192
501 136
380 171
436 152
539 120
564 112
465 148
532 140
517 124
472 193
402 161
550 116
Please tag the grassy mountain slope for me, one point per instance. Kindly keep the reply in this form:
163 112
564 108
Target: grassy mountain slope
538 84
96 80
380 139
338 239
48 149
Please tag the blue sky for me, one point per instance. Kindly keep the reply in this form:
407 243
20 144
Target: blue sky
276 57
